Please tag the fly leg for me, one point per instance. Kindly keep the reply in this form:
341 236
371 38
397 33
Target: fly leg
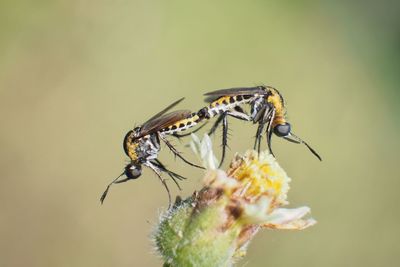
262 118
157 172
216 124
257 143
269 131
177 153
237 113
224 138
164 169
173 175
221 119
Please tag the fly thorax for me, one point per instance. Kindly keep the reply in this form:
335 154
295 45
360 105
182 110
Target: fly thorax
277 102
148 147
132 150
257 104
150 144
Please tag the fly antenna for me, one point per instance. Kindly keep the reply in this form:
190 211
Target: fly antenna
103 196
295 139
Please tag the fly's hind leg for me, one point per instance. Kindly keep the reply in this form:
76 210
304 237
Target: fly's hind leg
177 153
216 124
224 139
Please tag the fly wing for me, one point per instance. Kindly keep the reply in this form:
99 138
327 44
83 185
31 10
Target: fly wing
211 96
163 121
164 110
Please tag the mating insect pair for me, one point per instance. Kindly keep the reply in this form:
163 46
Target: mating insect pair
267 108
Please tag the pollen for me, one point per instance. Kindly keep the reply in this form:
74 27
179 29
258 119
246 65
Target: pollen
260 175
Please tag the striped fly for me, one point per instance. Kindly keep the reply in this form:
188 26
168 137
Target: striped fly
143 144
267 109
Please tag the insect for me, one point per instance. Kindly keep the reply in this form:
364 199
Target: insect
142 145
267 109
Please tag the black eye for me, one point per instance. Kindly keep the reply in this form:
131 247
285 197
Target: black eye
133 171
282 129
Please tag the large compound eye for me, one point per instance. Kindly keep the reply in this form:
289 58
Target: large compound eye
133 171
282 129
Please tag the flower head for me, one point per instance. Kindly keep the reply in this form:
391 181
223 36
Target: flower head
256 185
217 223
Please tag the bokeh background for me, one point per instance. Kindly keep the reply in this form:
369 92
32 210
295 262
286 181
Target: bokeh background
75 76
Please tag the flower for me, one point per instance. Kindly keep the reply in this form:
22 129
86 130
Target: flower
214 226
256 185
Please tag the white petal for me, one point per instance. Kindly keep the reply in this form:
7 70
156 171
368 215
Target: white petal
284 216
293 225
203 149
257 212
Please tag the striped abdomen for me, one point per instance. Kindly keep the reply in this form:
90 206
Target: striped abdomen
226 103
182 125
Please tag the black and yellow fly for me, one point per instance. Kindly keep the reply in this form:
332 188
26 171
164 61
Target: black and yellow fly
267 109
142 145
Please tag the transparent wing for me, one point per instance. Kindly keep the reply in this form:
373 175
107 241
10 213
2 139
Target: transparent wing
163 121
211 96
164 110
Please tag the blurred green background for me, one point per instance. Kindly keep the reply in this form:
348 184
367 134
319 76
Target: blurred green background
75 76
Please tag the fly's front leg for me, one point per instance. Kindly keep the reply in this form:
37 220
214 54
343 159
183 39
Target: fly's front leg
164 169
269 131
261 116
257 143
171 174
157 172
